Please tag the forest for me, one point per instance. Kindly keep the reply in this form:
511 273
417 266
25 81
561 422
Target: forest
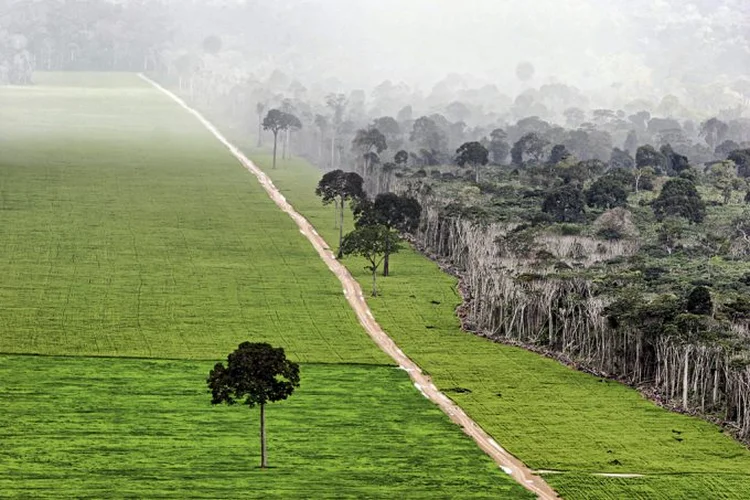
611 232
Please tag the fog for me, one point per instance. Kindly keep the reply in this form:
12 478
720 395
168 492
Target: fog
609 53
633 46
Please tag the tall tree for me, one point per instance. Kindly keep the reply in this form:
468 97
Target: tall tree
399 212
368 141
255 374
498 146
338 187
372 243
275 122
337 103
473 154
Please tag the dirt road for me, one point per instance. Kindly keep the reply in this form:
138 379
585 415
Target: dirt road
510 464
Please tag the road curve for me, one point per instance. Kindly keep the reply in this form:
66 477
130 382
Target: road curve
353 292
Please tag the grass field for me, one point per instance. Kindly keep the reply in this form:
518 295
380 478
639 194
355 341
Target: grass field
85 428
550 416
127 231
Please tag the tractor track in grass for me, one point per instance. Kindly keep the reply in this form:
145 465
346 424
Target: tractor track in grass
353 292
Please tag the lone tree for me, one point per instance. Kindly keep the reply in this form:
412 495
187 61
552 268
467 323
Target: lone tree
338 187
679 198
372 243
276 121
474 155
255 374
392 211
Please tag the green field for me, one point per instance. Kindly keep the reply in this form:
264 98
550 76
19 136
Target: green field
83 427
552 417
127 231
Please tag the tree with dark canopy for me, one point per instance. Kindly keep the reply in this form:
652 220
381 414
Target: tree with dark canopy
558 154
401 158
372 243
276 121
391 210
338 187
699 301
741 158
675 162
255 374
606 193
565 204
474 155
621 159
647 156
679 198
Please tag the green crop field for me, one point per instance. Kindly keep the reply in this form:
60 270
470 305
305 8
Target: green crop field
127 231
108 427
550 416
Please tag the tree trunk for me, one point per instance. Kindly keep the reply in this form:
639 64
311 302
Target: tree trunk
260 131
476 173
685 380
341 228
263 457
386 259
374 284
275 141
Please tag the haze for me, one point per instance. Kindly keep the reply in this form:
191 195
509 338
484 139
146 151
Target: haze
635 46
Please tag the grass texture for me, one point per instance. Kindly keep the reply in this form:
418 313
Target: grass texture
550 416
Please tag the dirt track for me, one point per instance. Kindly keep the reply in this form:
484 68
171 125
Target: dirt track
353 293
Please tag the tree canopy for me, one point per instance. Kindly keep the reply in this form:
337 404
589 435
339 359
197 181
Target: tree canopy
255 374
679 198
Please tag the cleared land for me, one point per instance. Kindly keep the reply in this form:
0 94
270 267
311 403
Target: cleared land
126 230
106 427
548 415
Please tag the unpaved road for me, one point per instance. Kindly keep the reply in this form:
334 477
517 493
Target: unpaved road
510 464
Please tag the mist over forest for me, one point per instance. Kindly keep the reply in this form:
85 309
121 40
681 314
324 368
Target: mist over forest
670 58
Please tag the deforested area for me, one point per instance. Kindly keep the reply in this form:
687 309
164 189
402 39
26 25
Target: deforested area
545 205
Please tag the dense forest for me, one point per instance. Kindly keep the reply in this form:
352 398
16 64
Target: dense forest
613 234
